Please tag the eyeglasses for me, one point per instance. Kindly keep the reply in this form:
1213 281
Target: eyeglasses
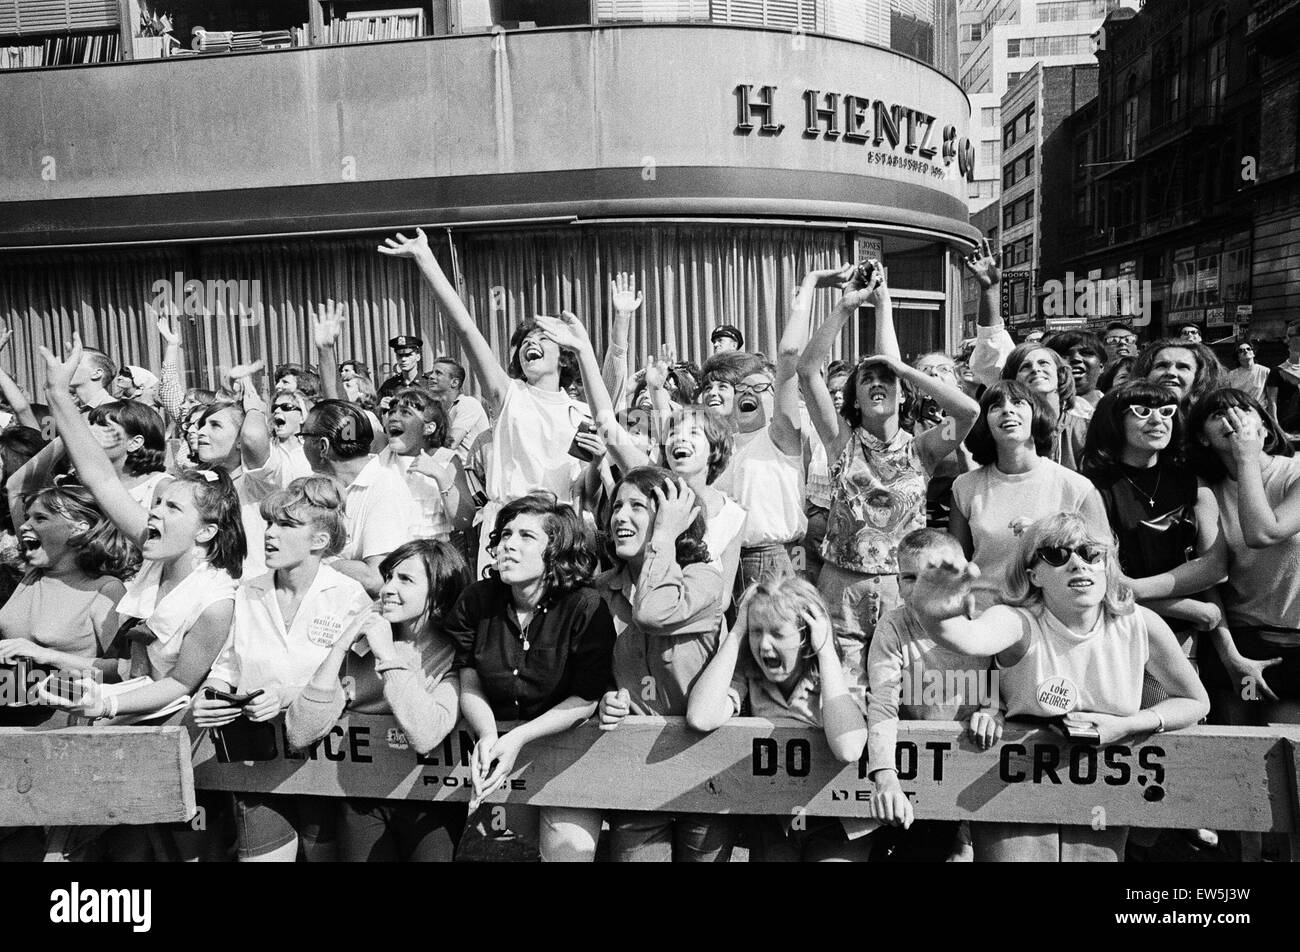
1058 555
755 388
1143 413
1120 340
1244 350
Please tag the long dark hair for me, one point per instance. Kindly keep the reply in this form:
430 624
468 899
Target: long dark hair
1202 459
344 426
646 479
1104 447
444 569
570 559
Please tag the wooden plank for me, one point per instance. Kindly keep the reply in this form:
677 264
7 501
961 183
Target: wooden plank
83 776
1215 777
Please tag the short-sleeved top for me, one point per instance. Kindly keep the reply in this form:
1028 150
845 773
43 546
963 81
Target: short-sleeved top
172 616
466 421
72 613
432 521
379 510
999 506
1102 670
1263 587
1252 380
530 443
878 497
667 623
263 650
769 484
570 653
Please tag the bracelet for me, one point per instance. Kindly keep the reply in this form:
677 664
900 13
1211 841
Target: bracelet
110 709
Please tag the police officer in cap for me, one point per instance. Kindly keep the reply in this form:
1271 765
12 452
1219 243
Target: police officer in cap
406 353
726 337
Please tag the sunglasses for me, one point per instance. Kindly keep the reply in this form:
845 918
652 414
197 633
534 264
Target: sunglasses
1144 413
1058 555
287 407
1120 340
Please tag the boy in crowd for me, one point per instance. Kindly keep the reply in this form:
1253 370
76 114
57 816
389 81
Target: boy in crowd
914 677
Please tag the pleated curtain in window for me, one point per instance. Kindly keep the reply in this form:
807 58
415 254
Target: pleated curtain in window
692 279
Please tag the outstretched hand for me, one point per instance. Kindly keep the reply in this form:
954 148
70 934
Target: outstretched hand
943 585
328 324
983 263
623 293
566 330
170 335
403 247
59 373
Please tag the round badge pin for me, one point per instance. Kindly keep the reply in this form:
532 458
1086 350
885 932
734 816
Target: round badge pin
1057 695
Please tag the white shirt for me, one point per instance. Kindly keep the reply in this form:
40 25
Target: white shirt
769 486
263 650
172 616
379 510
433 521
466 420
530 443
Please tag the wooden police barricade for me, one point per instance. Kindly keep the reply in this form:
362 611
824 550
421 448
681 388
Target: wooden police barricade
1224 778
91 776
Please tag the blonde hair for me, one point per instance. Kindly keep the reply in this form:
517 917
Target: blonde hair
1065 529
783 600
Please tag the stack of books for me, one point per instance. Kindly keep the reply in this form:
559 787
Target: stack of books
211 41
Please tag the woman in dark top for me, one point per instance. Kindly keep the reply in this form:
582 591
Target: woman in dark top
1165 521
534 644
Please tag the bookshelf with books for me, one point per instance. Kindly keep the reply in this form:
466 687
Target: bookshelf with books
36 33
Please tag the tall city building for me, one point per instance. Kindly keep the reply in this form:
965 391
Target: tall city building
998 42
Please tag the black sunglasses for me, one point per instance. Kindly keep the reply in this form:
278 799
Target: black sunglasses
1058 555
287 407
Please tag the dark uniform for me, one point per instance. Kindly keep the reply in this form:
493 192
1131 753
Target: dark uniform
397 382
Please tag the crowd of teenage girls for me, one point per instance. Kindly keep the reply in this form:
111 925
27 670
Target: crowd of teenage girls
1089 527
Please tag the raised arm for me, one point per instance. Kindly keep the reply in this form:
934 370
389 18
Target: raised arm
625 300
785 431
13 394
671 600
94 468
568 332
1261 525
171 381
255 431
830 426
325 334
491 375
960 411
992 342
